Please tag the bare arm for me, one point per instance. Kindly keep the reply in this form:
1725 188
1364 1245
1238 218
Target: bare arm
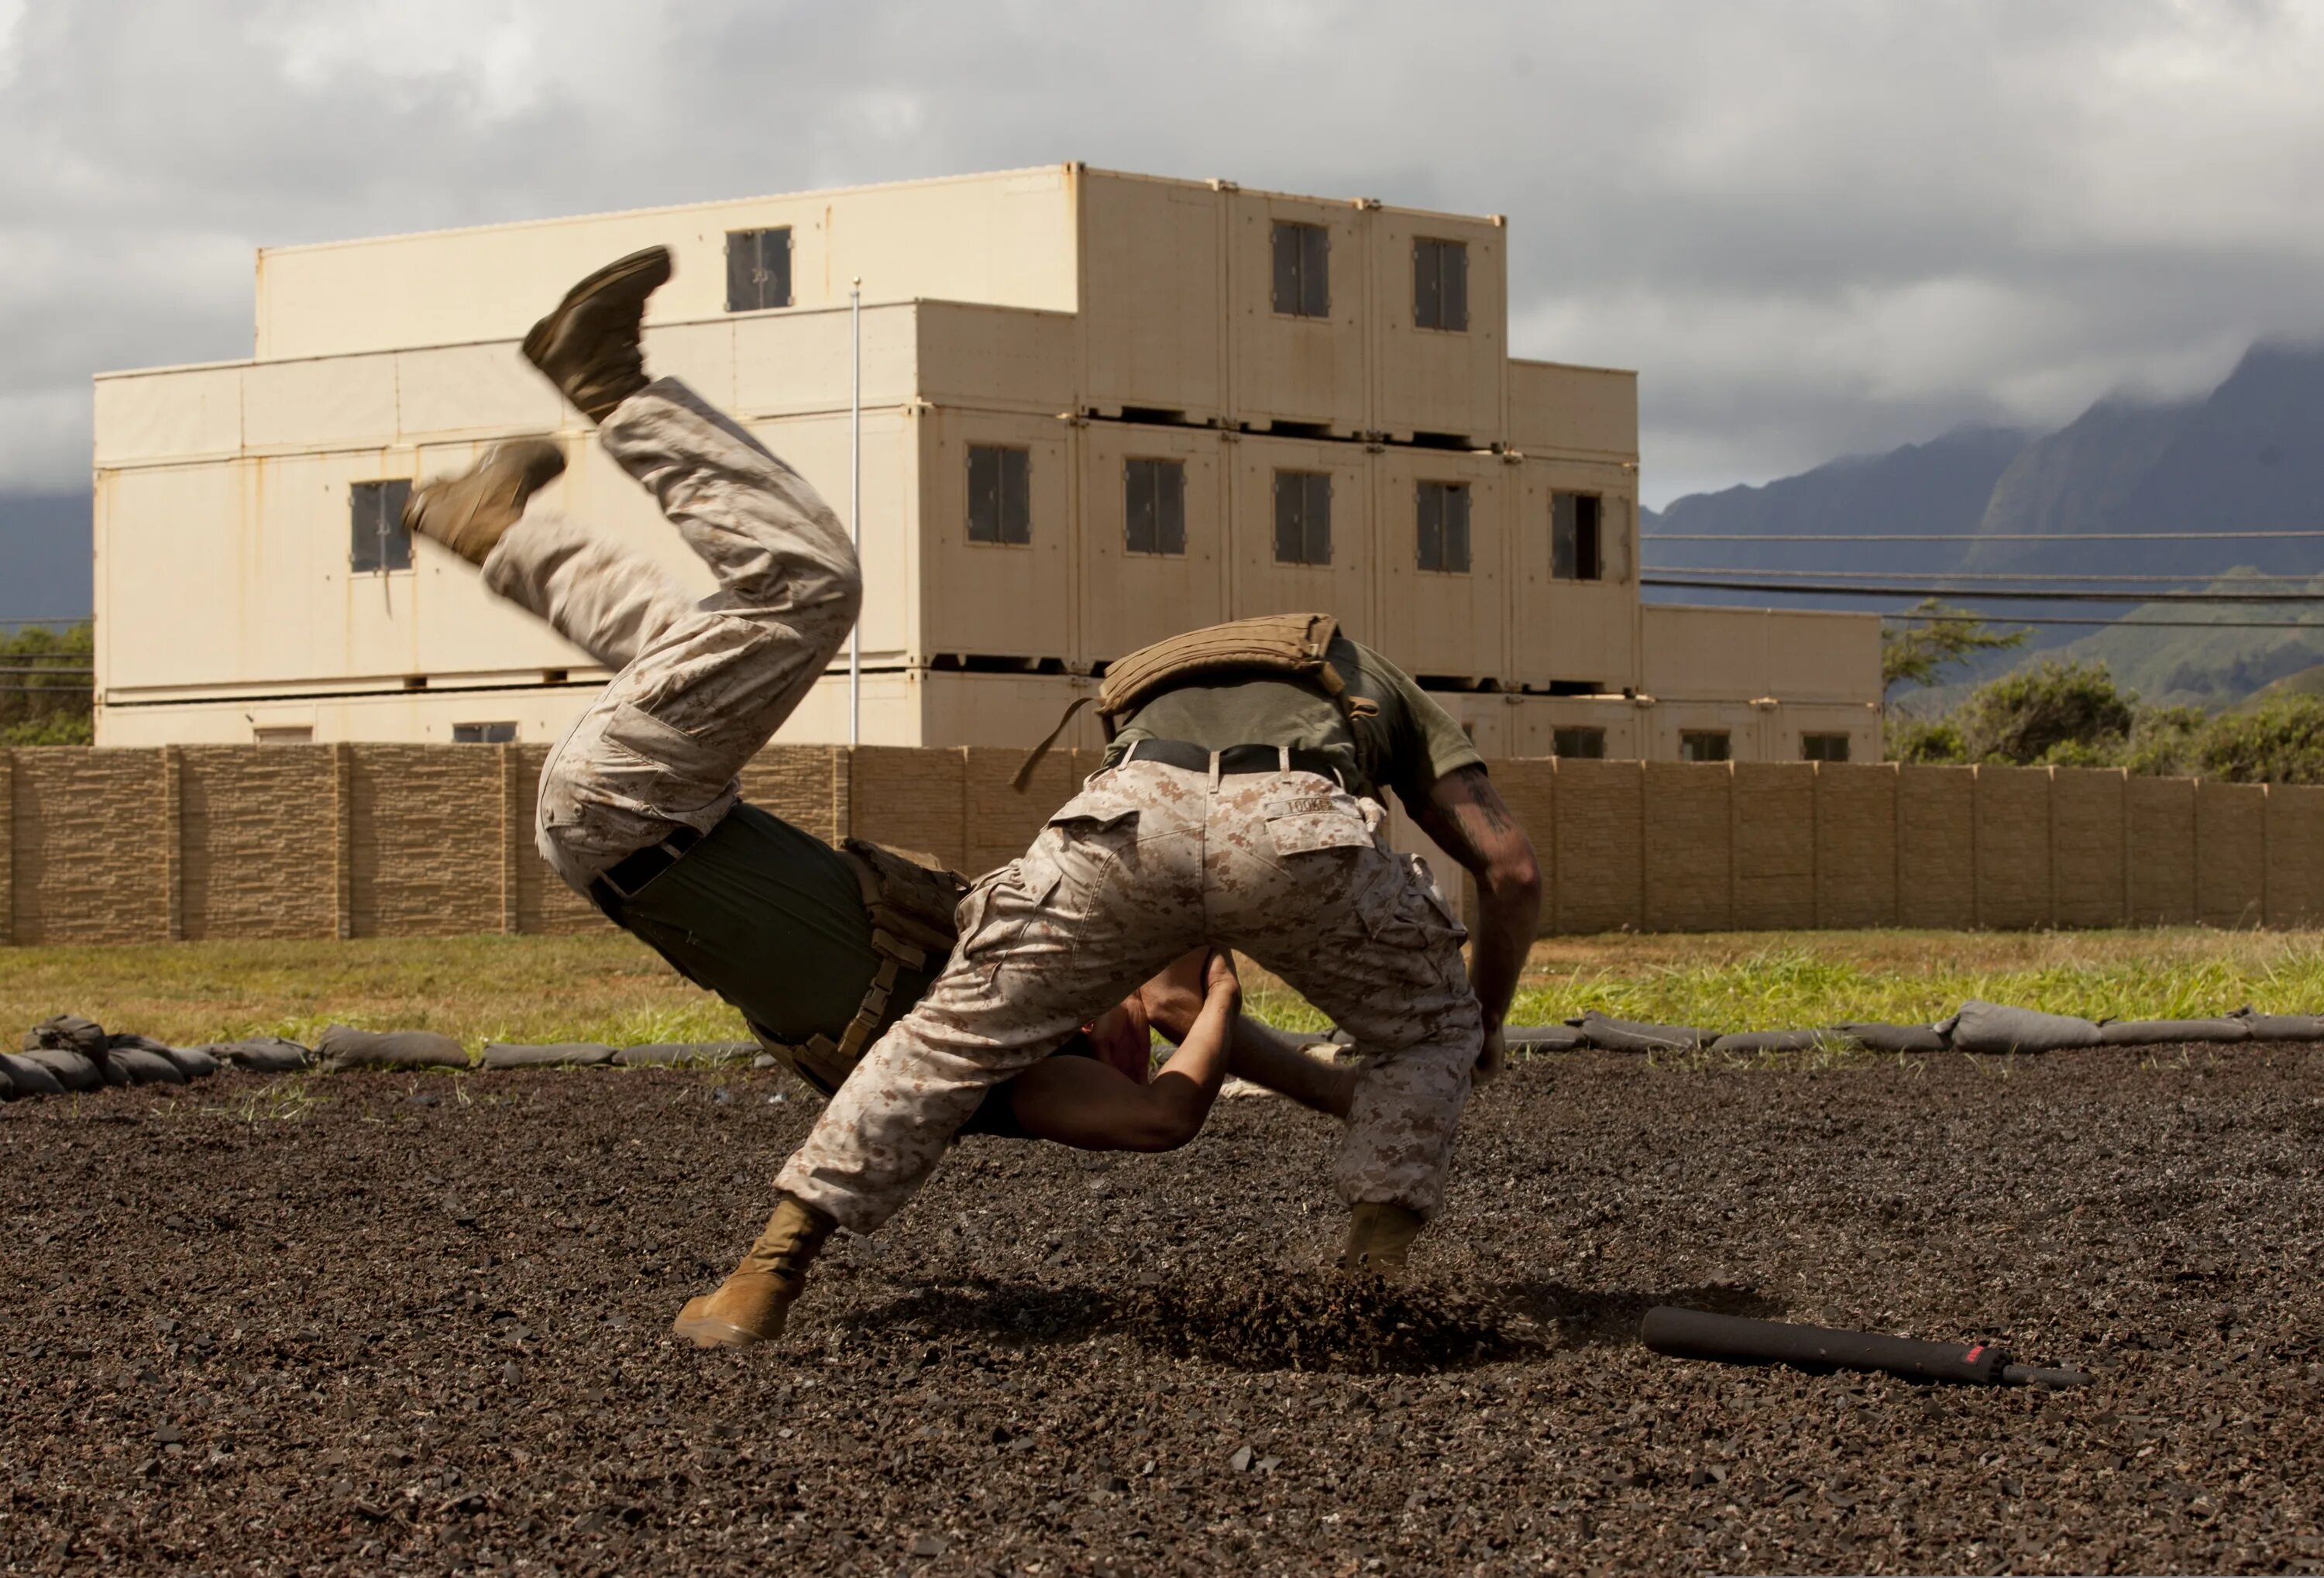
1258 1053
1466 816
1084 1102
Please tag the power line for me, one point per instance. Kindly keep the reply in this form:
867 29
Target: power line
2315 625
1977 594
35 669
2206 576
1963 536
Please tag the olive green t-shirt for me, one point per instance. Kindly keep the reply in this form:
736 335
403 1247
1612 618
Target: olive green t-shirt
1411 744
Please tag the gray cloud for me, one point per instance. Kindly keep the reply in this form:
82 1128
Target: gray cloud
1815 226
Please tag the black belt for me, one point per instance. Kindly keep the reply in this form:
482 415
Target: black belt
625 877
1235 760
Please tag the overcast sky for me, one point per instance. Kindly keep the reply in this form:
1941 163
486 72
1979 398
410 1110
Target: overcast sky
1815 227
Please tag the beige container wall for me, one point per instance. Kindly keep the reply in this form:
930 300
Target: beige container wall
1429 380
1436 622
1003 600
998 358
1693 654
1583 413
1006 238
1789 723
1539 718
1256 584
128 845
1574 631
1745 728
1131 599
1153 313
1288 368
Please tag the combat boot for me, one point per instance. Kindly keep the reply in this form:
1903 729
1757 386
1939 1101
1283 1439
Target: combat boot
750 1305
589 347
468 513
1379 1237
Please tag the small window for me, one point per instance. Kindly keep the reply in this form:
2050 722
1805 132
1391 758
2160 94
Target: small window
1154 506
283 733
1303 269
376 540
483 734
1586 744
1302 517
1575 542
758 269
1702 746
1440 284
1823 747
999 507
1444 527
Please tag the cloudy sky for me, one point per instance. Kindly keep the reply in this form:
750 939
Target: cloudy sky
1815 226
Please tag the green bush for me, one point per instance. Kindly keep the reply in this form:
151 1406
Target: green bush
42 701
2050 707
1926 742
2277 742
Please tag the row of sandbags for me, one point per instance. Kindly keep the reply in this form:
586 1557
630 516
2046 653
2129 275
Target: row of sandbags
69 1053
1978 1026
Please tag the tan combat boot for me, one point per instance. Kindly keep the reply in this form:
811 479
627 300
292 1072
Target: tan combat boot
1379 1237
589 347
468 513
749 1306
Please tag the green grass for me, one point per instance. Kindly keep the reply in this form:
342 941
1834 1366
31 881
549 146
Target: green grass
614 990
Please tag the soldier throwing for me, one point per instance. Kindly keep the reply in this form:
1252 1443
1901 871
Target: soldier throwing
1241 806
640 806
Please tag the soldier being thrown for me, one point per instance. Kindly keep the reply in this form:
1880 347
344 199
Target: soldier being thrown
638 803
1239 807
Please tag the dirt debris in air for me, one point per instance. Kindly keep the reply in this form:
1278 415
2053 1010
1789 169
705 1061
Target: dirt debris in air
325 1329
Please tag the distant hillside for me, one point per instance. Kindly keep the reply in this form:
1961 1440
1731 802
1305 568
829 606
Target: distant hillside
2247 457
2207 667
44 555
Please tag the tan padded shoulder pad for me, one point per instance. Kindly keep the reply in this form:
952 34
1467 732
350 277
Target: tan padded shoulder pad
1296 644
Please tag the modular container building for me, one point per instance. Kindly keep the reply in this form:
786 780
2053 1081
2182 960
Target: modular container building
1096 408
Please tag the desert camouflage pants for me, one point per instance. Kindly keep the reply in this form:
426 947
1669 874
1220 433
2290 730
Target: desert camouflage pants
701 684
1148 861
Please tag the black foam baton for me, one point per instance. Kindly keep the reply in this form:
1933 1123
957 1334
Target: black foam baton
1694 1333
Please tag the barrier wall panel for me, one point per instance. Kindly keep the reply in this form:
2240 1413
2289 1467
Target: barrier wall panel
1936 822
2013 847
805 785
1855 845
1529 790
1001 822
1689 855
2161 851
1774 845
2231 853
2295 854
1598 837
425 863
544 903
2086 844
258 840
911 799
90 834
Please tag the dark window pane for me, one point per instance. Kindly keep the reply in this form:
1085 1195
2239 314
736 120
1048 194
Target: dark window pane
1454 268
1823 747
1290 499
1314 272
1586 744
1319 518
376 540
1575 542
1138 506
1456 529
1440 284
758 269
1427 297
1428 525
1702 746
1000 501
1170 506
483 734
1286 267
1016 496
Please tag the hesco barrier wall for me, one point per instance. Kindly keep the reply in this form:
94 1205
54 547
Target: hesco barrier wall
129 845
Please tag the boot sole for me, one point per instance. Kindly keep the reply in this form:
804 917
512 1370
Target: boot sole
653 266
707 1332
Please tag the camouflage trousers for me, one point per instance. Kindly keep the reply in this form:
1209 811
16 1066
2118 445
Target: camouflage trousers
701 684
1148 861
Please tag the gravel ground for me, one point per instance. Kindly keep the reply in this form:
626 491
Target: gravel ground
390 1323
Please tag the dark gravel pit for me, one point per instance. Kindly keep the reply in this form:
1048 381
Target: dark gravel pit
347 1334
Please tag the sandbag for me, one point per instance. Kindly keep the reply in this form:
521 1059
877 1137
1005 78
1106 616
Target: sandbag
343 1048
2281 1027
69 1068
191 1061
263 1055
1542 1037
687 1053
1879 1037
7 1087
67 1032
2169 1032
146 1067
1609 1035
1750 1043
27 1078
563 1054
1987 1027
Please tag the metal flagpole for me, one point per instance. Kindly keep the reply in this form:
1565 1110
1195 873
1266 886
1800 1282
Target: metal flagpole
855 505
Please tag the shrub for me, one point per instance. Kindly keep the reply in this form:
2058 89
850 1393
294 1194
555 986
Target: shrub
2025 716
2277 742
